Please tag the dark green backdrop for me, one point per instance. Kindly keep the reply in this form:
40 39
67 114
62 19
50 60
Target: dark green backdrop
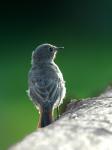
84 28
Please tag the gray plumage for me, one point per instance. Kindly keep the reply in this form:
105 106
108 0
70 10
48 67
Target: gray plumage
45 80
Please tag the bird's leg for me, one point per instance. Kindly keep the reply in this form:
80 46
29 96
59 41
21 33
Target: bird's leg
58 113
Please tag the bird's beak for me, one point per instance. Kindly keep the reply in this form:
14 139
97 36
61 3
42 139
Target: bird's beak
59 48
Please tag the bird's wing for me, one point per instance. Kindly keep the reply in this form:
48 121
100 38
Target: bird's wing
46 91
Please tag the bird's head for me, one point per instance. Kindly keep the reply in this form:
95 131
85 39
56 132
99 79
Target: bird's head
45 53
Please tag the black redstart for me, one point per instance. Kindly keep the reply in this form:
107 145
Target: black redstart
46 83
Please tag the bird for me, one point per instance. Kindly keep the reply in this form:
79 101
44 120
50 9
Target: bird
46 85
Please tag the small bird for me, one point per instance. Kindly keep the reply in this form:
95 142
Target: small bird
46 84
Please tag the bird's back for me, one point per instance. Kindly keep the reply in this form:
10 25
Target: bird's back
46 84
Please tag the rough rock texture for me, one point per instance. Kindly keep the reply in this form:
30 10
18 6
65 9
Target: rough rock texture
86 125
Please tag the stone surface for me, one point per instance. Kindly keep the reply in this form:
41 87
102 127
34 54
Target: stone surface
86 125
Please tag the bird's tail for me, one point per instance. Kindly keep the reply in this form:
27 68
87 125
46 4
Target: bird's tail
45 117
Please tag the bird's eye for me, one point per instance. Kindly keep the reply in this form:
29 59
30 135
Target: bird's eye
50 49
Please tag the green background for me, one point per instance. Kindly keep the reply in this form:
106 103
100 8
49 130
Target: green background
84 28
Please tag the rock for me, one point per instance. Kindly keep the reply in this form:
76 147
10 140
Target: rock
86 125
